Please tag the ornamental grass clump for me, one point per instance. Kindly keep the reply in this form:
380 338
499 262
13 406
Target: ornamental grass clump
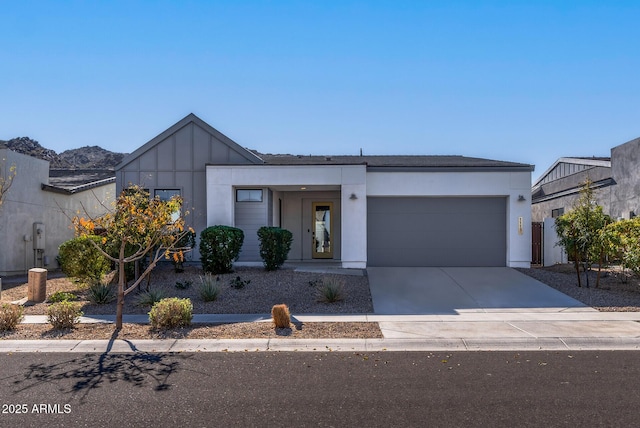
10 316
209 288
281 316
171 313
64 314
330 290
149 298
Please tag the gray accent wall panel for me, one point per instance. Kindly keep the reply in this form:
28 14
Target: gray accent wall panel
251 216
436 231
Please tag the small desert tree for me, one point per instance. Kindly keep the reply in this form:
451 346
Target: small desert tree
147 225
580 231
7 175
624 240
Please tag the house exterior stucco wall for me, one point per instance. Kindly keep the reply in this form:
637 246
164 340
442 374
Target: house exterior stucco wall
508 184
356 184
322 182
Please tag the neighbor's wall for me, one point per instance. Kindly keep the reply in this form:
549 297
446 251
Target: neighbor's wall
573 184
625 165
508 184
26 203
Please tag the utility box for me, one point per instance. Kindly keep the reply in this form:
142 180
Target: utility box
38 236
37 289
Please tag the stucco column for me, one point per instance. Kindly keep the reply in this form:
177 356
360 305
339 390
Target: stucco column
354 226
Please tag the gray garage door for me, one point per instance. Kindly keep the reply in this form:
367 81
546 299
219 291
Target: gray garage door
436 231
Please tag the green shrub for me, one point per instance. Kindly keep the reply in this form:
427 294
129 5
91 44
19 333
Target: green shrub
239 283
275 244
183 285
10 316
171 312
64 314
219 248
61 296
101 293
149 298
79 258
209 288
330 290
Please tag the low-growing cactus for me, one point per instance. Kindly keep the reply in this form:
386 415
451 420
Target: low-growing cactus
10 316
280 315
64 314
171 312
101 293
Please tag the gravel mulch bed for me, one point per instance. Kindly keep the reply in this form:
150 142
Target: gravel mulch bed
262 290
260 330
265 289
617 292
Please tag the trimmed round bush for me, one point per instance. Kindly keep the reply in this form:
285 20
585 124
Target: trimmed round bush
79 258
64 314
171 312
275 244
219 247
10 316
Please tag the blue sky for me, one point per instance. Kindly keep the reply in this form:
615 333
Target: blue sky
509 80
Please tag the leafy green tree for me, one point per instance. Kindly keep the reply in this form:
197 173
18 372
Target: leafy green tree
580 232
624 240
147 225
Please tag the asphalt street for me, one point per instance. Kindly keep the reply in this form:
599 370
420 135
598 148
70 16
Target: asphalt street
341 389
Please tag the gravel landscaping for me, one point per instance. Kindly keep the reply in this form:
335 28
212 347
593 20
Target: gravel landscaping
617 291
261 290
299 290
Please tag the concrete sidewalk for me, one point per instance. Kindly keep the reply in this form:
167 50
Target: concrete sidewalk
503 330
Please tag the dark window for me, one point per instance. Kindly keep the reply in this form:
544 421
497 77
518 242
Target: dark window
557 212
249 195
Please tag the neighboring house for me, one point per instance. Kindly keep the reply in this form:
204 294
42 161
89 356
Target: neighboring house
615 181
357 210
35 217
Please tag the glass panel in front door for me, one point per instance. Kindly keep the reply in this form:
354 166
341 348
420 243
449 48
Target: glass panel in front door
322 233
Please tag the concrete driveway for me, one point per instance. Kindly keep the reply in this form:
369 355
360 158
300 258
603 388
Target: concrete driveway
451 290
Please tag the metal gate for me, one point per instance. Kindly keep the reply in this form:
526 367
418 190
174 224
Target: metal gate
537 233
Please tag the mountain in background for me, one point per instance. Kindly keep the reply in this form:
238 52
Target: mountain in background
88 157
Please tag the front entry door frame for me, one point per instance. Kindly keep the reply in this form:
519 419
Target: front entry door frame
322 225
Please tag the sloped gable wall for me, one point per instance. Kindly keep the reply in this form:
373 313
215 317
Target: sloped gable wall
177 162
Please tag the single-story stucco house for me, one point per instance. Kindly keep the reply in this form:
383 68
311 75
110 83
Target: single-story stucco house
356 210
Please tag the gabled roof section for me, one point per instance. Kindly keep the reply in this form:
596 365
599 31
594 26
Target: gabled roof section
190 118
564 167
70 181
393 162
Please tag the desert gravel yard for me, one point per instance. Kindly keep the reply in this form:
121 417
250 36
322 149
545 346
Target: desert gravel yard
259 292
299 290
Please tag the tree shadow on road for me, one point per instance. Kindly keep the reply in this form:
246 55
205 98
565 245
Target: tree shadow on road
91 371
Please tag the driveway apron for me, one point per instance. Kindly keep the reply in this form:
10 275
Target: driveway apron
451 290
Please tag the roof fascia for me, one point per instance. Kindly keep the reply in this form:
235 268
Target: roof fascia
511 168
575 161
